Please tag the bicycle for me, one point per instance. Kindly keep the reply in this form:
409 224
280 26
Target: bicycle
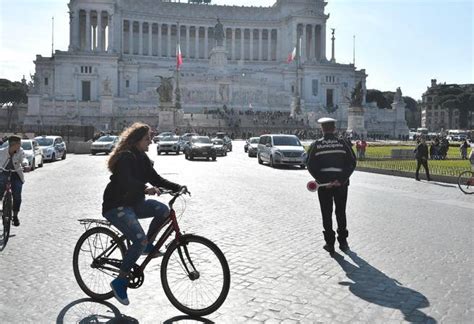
192 268
466 182
7 205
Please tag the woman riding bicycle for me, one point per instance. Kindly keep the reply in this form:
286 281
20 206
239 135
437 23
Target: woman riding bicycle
124 199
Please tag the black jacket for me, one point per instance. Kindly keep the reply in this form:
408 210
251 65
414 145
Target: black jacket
421 152
133 171
330 158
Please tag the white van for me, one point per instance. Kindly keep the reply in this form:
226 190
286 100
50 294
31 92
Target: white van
280 149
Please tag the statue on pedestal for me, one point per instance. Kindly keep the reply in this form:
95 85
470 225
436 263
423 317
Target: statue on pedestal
219 34
398 96
165 90
106 90
357 95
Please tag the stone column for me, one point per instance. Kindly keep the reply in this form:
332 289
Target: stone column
99 31
313 45
130 37
150 39
206 42
233 45
110 24
323 42
251 44
260 41
94 35
269 45
169 41
196 42
242 44
88 30
140 38
187 42
303 45
71 30
159 40
277 45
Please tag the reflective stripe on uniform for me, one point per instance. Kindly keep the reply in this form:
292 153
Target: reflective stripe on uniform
331 170
330 152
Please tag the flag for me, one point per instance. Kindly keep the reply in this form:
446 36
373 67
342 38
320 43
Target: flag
179 57
291 56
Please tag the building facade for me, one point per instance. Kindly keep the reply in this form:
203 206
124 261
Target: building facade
118 49
436 117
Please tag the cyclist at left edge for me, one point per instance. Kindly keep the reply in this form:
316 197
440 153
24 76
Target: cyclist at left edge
11 158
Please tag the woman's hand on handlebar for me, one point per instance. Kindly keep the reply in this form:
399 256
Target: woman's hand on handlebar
184 190
152 191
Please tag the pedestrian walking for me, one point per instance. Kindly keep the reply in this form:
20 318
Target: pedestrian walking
363 147
421 155
463 148
332 160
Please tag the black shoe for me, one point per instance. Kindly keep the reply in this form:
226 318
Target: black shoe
329 248
344 246
16 221
417 179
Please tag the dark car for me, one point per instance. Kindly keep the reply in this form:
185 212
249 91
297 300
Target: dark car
184 140
219 146
200 146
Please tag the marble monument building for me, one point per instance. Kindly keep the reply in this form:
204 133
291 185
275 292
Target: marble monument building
232 55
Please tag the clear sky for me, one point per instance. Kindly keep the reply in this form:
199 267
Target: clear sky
400 43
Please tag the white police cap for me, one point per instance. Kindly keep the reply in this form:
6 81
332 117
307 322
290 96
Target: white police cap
325 120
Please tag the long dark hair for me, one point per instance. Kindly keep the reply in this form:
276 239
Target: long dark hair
128 139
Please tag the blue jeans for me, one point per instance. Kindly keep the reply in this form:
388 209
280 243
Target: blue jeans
126 220
17 185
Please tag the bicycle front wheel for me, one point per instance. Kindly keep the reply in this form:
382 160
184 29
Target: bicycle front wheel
195 275
96 261
6 219
466 182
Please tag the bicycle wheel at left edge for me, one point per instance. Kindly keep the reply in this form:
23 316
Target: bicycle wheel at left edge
96 261
6 219
195 275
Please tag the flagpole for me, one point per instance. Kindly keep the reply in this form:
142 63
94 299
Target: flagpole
52 36
178 50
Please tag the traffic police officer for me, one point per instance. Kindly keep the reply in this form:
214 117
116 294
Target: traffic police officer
331 161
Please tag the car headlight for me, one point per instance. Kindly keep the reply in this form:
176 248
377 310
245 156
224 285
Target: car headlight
278 153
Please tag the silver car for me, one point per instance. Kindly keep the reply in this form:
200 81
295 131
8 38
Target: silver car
33 153
104 144
279 149
168 144
53 147
252 146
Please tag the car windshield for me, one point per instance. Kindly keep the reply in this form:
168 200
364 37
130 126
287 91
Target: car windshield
205 140
254 140
44 141
286 141
106 139
218 142
220 135
170 139
26 145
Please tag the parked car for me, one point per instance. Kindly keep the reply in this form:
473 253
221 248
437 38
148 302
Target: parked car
104 144
53 147
168 144
158 137
227 140
33 153
219 146
253 146
200 146
279 149
184 139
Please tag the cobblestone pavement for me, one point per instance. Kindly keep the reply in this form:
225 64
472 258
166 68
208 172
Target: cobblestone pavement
411 242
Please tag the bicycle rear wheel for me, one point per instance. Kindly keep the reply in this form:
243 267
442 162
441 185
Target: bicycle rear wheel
195 275
6 219
96 261
466 182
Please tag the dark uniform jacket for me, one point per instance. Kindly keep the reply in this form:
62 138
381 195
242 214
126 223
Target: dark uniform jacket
421 152
133 171
330 158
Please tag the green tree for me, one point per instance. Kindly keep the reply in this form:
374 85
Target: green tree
12 94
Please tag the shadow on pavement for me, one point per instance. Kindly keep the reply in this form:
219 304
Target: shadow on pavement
443 184
187 319
374 286
87 310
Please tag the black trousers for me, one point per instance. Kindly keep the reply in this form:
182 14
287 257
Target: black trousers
327 196
419 163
